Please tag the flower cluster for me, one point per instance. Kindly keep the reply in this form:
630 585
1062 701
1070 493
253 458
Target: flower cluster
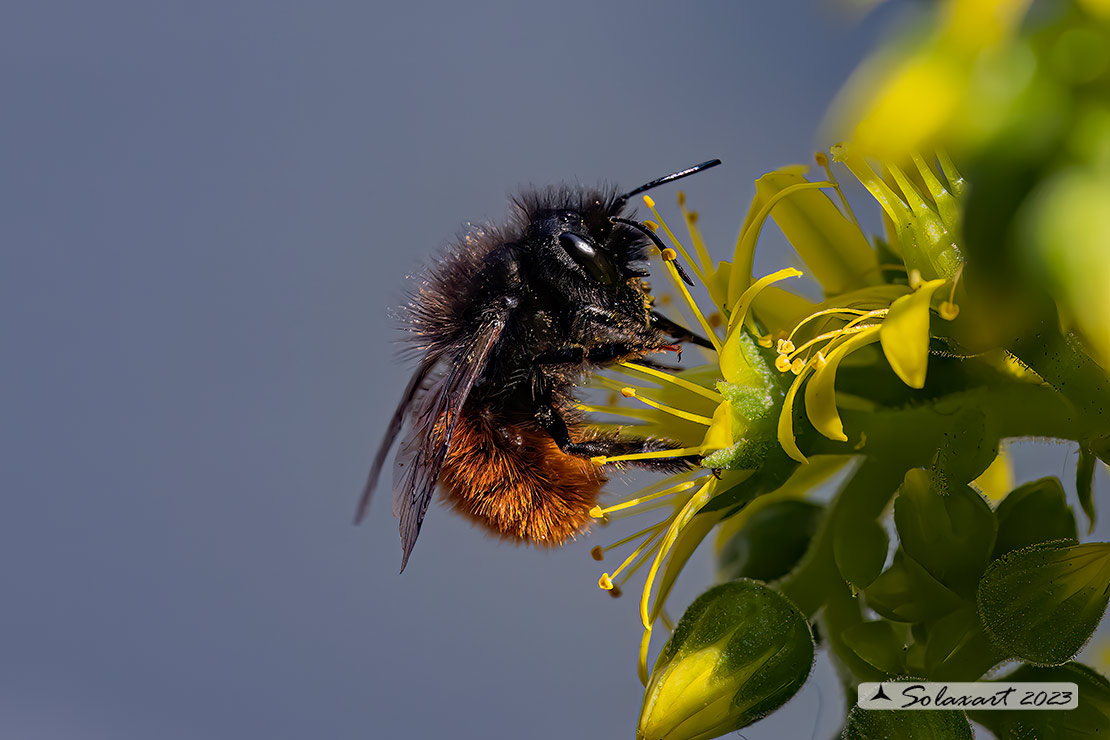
980 314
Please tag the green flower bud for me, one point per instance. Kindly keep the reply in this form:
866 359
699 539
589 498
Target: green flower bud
739 653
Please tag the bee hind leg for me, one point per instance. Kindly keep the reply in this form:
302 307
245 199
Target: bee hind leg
612 445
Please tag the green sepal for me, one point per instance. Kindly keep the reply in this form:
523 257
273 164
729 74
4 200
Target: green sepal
906 592
877 724
950 534
771 542
1042 603
1091 719
738 653
1032 513
860 550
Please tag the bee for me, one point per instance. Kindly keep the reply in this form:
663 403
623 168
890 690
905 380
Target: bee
507 324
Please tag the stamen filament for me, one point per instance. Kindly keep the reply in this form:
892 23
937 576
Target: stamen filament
823 161
696 239
633 413
659 529
692 507
656 455
851 327
674 240
696 418
684 486
709 333
625 540
826 312
681 383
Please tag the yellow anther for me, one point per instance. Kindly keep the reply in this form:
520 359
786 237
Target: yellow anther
681 198
782 363
596 512
599 460
669 254
628 392
822 159
797 366
605 582
765 341
785 347
651 226
819 361
692 217
649 202
597 552
949 310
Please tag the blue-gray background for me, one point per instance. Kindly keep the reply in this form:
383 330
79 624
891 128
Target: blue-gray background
207 210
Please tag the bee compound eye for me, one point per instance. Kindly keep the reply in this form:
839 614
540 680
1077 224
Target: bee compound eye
589 257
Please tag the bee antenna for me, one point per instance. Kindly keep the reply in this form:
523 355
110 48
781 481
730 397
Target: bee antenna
622 199
658 242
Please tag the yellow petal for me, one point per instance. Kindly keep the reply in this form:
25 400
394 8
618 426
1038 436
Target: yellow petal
831 245
905 334
779 309
735 365
687 541
820 391
998 479
787 438
719 436
743 259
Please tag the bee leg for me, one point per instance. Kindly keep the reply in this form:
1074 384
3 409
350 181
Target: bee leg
678 331
606 353
562 356
553 423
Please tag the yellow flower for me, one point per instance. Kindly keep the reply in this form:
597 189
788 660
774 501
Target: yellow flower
736 411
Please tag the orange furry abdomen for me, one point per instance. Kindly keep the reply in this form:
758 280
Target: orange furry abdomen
515 481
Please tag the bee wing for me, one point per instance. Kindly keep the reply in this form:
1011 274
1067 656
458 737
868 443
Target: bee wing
391 432
420 459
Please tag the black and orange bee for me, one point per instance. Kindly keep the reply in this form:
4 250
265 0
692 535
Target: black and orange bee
508 323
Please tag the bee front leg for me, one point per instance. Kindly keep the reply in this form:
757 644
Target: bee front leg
678 331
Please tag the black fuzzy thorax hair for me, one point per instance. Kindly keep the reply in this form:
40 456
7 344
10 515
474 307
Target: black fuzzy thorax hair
493 261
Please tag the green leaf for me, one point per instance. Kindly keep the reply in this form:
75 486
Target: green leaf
1085 483
1041 604
1032 513
950 535
970 446
879 644
771 542
1090 719
872 724
860 549
905 592
958 649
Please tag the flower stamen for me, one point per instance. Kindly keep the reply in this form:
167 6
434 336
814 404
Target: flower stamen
697 419
680 382
597 512
670 235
